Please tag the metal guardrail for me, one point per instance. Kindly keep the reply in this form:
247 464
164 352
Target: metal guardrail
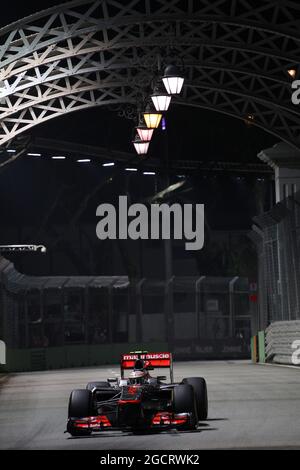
280 337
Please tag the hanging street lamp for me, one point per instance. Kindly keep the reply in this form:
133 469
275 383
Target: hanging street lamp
173 80
161 99
144 132
141 146
152 117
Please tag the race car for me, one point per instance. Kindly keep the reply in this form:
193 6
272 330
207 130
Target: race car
138 402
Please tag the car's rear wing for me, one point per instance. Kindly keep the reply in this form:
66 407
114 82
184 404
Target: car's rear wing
152 360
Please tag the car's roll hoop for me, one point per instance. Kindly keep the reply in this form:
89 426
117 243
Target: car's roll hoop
151 361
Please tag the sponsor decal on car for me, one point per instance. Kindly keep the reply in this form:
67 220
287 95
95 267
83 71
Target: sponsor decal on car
134 357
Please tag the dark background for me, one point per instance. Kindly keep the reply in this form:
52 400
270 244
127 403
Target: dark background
29 187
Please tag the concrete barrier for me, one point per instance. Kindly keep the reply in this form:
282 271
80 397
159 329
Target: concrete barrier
22 360
225 348
283 342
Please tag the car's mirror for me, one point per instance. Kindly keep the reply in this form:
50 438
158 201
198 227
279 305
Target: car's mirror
112 380
162 377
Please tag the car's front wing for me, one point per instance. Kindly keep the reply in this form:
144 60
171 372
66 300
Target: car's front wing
160 420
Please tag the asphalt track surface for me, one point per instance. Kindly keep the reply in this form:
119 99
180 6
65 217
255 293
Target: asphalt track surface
250 406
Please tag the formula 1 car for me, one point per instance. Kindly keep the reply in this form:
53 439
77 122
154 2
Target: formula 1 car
138 402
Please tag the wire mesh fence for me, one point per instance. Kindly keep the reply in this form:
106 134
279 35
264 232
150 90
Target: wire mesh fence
276 235
191 314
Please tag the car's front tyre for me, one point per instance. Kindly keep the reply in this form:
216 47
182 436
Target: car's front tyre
200 389
184 402
80 406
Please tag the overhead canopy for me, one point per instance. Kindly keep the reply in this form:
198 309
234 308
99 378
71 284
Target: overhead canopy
88 53
16 282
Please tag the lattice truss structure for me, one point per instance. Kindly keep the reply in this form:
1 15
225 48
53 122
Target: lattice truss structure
88 53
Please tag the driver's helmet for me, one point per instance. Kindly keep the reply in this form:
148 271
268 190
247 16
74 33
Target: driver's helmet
138 377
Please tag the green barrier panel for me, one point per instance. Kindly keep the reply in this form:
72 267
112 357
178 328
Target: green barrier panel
18 360
56 358
261 347
77 356
22 360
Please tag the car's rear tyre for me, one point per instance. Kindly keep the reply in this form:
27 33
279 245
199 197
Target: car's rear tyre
80 406
200 389
92 385
184 402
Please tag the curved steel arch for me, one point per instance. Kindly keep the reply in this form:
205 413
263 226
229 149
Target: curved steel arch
89 53
80 96
92 97
190 33
224 81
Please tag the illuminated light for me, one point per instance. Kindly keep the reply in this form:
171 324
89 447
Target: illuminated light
144 133
130 169
11 151
161 99
108 164
249 120
292 73
149 173
58 157
141 146
34 154
164 124
173 80
84 160
152 117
